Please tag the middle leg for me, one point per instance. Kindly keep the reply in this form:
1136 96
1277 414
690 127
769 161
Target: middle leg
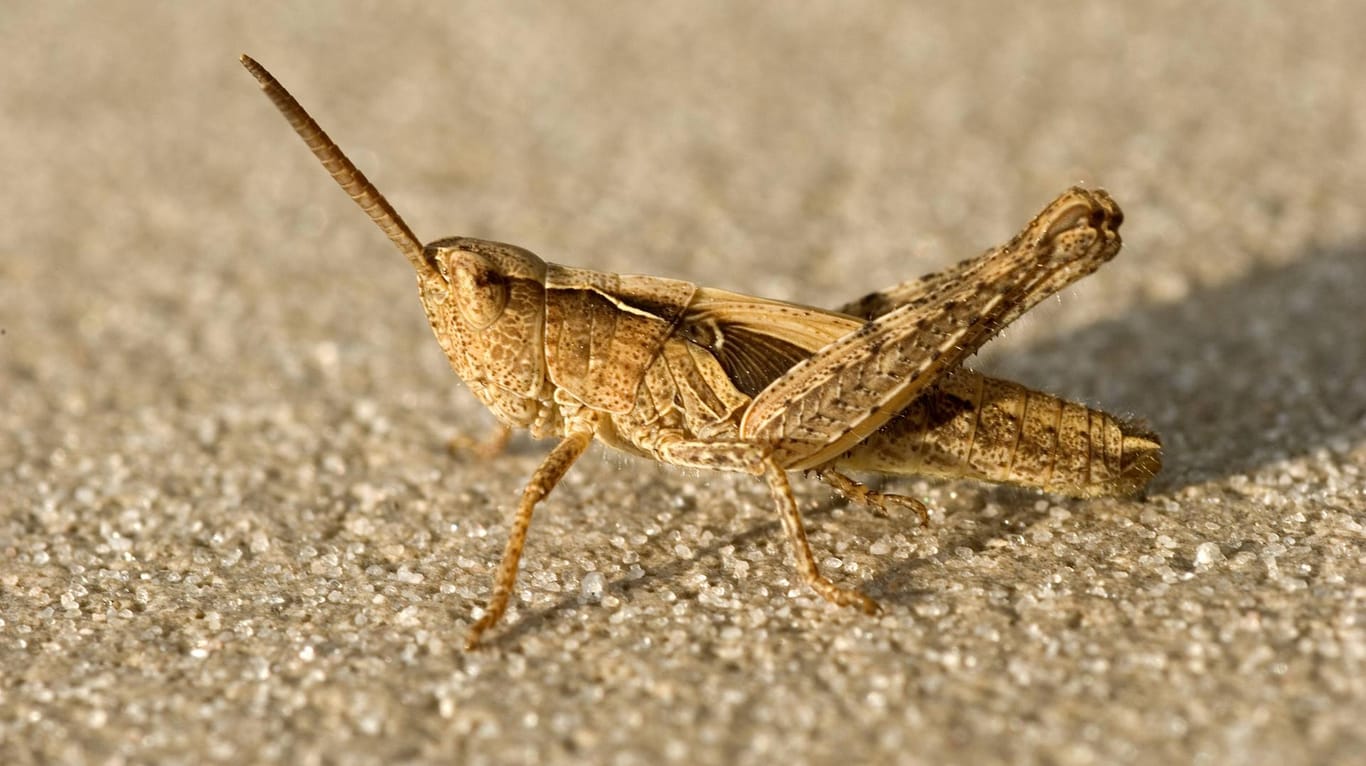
878 501
756 460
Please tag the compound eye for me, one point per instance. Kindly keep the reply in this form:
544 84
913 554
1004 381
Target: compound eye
478 288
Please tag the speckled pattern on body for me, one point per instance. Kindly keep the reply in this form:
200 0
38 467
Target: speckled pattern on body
717 380
231 531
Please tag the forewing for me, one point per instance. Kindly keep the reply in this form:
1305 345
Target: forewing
756 340
838 396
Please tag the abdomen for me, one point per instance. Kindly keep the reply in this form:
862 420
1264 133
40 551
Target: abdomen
972 426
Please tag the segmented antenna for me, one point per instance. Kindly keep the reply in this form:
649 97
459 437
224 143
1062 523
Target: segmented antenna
351 180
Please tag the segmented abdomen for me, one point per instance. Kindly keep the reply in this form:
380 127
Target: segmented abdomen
972 426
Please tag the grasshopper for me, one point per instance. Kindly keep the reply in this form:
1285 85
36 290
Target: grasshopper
710 379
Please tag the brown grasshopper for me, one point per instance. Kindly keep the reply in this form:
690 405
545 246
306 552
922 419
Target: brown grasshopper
700 377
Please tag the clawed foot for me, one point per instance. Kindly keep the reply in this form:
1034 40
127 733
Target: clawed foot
484 449
879 502
845 596
477 631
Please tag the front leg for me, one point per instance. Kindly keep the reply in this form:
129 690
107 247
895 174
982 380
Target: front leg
758 460
489 447
552 469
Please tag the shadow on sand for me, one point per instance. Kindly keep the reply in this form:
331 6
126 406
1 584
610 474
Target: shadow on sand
1269 366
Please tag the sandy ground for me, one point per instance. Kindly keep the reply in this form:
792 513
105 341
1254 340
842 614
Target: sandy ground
230 530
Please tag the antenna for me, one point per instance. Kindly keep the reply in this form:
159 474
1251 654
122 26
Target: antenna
347 176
